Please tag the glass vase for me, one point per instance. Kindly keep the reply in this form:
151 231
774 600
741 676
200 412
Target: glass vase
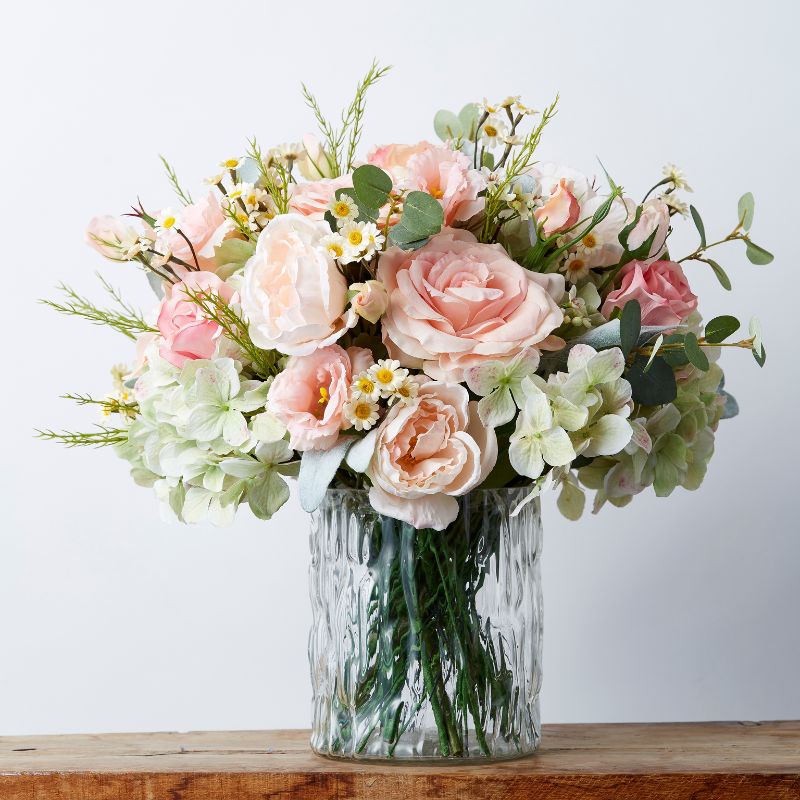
426 644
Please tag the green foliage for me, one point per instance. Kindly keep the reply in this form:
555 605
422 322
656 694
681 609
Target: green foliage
653 386
172 177
422 218
698 223
722 276
447 125
102 437
371 186
125 319
674 357
756 254
630 325
720 328
746 208
110 405
694 352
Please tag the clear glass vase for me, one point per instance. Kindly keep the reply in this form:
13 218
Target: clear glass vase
426 644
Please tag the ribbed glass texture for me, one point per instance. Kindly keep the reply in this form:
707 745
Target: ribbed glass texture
426 644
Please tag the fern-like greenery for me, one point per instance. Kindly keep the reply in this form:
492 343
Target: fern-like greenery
183 196
125 319
102 437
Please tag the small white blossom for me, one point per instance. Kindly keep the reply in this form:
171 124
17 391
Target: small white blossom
356 241
677 176
406 392
344 209
675 203
334 244
364 385
167 220
214 180
361 413
232 163
575 267
388 375
493 131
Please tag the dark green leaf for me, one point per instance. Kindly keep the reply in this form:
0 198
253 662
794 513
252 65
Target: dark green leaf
406 239
747 207
422 214
698 223
722 276
694 352
758 255
675 358
720 328
630 324
447 125
371 185
656 386
760 357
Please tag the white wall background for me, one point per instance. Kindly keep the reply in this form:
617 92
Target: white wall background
676 609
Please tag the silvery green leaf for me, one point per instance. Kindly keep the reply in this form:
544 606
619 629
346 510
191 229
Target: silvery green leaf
233 253
447 125
747 207
758 255
156 284
371 186
266 495
360 454
249 172
731 408
468 116
317 468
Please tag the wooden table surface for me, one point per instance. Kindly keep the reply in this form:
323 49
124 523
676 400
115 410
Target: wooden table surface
703 761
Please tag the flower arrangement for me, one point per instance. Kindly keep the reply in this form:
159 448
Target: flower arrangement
421 320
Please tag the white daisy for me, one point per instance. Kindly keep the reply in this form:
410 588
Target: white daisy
214 180
677 176
232 163
344 209
388 375
364 385
167 220
576 267
493 131
674 202
356 241
375 238
406 392
334 244
362 413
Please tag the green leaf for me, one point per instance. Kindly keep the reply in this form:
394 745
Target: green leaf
468 116
720 328
372 186
422 214
266 495
747 207
694 352
722 276
655 387
405 239
675 358
447 125
758 255
698 223
654 351
630 325
731 407
760 355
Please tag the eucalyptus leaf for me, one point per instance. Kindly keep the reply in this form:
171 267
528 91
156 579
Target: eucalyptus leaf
722 276
731 407
372 186
447 125
698 223
757 255
233 254
630 326
747 207
694 352
156 284
469 116
317 469
675 358
405 239
422 214
720 328
655 387
760 355
656 346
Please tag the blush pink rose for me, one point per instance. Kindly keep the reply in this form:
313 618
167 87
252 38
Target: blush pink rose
455 303
206 226
427 453
393 158
312 199
186 332
561 211
661 289
309 394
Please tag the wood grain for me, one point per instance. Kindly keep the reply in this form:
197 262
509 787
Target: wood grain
702 761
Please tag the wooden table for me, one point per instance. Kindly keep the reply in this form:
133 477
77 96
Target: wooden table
702 761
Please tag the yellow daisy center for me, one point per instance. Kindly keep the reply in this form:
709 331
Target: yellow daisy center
355 237
384 375
168 222
232 163
341 209
336 249
589 240
576 265
404 391
362 411
490 130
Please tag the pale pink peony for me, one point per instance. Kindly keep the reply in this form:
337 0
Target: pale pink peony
309 394
428 453
393 158
312 199
661 289
455 303
206 226
292 291
561 211
186 332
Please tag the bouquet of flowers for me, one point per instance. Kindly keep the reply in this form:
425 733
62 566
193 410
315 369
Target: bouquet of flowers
422 321
417 323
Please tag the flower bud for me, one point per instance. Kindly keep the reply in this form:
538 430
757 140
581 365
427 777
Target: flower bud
369 300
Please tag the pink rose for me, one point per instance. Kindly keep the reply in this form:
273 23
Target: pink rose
661 289
187 333
370 300
312 199
428 453
455 303
293 294
444 173
206 226
309 394
561 211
